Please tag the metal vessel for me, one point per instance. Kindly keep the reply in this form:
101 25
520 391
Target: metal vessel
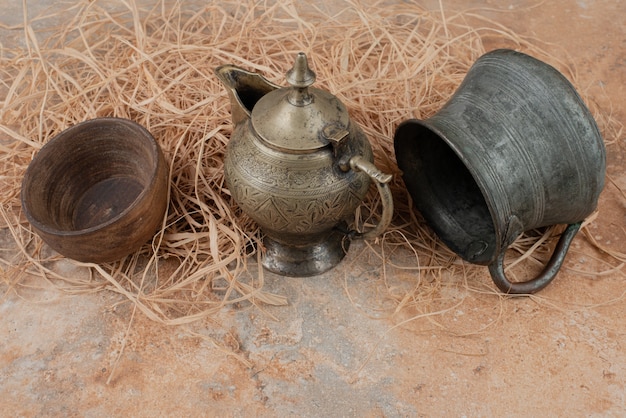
299 167
515 148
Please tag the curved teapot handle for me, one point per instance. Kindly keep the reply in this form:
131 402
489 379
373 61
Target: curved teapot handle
545 277
381 179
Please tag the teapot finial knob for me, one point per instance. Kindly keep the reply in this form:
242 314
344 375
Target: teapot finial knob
300 77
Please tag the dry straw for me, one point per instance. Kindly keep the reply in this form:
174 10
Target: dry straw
154 65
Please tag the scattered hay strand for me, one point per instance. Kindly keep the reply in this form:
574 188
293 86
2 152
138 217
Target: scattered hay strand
155 64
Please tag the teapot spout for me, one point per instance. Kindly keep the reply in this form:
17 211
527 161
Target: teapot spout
244 90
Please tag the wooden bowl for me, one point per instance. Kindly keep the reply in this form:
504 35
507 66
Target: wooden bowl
97 191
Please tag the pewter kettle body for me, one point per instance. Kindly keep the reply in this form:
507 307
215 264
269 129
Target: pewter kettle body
299 167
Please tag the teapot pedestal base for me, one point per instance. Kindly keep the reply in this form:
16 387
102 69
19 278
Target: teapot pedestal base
305 260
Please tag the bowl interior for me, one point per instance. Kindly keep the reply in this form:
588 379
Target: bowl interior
89 175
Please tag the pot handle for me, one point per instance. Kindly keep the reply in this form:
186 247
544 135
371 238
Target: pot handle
358 163
545 277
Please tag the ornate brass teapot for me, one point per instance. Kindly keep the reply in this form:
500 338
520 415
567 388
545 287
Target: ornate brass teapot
299 167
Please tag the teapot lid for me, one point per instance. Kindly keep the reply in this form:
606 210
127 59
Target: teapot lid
299 118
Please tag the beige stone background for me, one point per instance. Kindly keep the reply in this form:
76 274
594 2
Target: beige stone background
331 352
